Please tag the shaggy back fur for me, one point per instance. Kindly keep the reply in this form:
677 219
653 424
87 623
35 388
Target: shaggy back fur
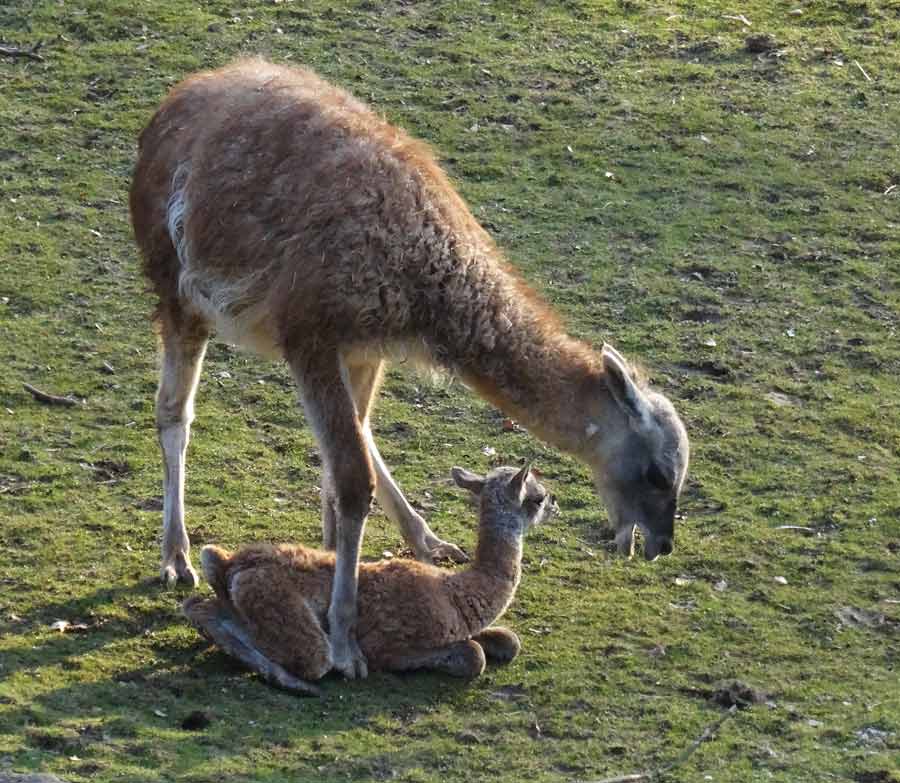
329 204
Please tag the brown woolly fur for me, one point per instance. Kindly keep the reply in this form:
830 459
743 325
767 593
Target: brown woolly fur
411 615
372 244
280 212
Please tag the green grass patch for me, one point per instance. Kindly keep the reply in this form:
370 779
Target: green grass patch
730 217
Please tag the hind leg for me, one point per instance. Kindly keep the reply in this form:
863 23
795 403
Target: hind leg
281 622
183 347
364 382
461 659
500 644
215 620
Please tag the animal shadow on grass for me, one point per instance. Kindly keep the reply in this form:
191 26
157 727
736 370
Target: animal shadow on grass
241 715
95 619
187 675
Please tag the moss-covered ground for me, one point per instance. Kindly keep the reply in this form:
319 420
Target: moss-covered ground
726 211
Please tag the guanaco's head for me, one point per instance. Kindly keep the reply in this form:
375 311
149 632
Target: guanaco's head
638 449
511 500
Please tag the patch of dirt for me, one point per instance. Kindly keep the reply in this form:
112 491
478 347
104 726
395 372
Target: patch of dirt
68 743
149 504
759 43
108 469
467 737
399 428
737 693
877 776
196 721
702 315
711 368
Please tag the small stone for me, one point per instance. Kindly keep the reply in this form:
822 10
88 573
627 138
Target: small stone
780 580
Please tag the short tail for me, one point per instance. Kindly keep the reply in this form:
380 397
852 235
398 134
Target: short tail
214 560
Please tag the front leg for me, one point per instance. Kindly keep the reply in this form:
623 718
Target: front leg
365 378
461 659
332 416
500 644
425 544
329 512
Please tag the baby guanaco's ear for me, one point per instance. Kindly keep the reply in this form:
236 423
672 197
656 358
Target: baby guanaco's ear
468 480
517 483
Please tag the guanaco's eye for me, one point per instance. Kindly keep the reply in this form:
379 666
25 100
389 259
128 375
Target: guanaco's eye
656 479
534 501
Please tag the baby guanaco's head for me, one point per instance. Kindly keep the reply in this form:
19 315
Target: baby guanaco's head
511 500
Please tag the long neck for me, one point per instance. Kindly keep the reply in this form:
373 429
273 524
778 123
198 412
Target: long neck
499 554
540 381
485 589
507 344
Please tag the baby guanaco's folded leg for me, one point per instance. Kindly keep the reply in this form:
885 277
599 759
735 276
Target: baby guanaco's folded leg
500 644
461 659
215 620
281 622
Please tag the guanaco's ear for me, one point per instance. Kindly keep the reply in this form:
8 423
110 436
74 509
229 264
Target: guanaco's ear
468 480
623 389
517 483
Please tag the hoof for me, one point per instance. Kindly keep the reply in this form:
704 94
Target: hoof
177 570
437 551
350 661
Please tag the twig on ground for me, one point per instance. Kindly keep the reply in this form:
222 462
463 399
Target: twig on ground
50 399
30 53
862 70
738 18
798 529
650 774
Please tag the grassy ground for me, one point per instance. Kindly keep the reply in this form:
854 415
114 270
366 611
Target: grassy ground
731 217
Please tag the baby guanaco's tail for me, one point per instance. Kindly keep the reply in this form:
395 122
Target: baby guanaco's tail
214 560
